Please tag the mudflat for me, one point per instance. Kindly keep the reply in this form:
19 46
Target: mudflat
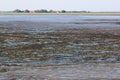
85 50
84 71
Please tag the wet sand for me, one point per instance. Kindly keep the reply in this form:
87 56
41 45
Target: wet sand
60 51
84 71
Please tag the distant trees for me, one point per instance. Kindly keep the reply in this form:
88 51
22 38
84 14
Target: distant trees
50 11
63 11
26 11
46 11
20 11
17 10
41 11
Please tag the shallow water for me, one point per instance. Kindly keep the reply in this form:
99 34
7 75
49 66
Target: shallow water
56 18
47 23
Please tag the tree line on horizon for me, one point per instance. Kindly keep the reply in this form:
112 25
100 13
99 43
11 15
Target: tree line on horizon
44 11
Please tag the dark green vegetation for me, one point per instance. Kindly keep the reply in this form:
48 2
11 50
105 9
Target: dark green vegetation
61 46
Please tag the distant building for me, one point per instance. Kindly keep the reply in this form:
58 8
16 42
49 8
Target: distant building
32 11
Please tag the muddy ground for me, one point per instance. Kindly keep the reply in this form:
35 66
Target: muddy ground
47 53
85 71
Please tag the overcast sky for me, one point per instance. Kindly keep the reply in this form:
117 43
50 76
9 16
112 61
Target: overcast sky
88 5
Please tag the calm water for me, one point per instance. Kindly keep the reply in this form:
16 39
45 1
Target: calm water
55 18
37 23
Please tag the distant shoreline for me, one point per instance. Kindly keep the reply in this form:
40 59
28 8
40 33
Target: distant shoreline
67 13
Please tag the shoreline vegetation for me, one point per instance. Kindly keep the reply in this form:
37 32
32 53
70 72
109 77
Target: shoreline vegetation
62 12
82 13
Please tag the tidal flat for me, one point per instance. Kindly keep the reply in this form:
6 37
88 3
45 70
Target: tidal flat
68 49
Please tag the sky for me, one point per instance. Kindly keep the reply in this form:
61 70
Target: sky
69 5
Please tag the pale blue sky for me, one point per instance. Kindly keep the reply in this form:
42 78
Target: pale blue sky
89 5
